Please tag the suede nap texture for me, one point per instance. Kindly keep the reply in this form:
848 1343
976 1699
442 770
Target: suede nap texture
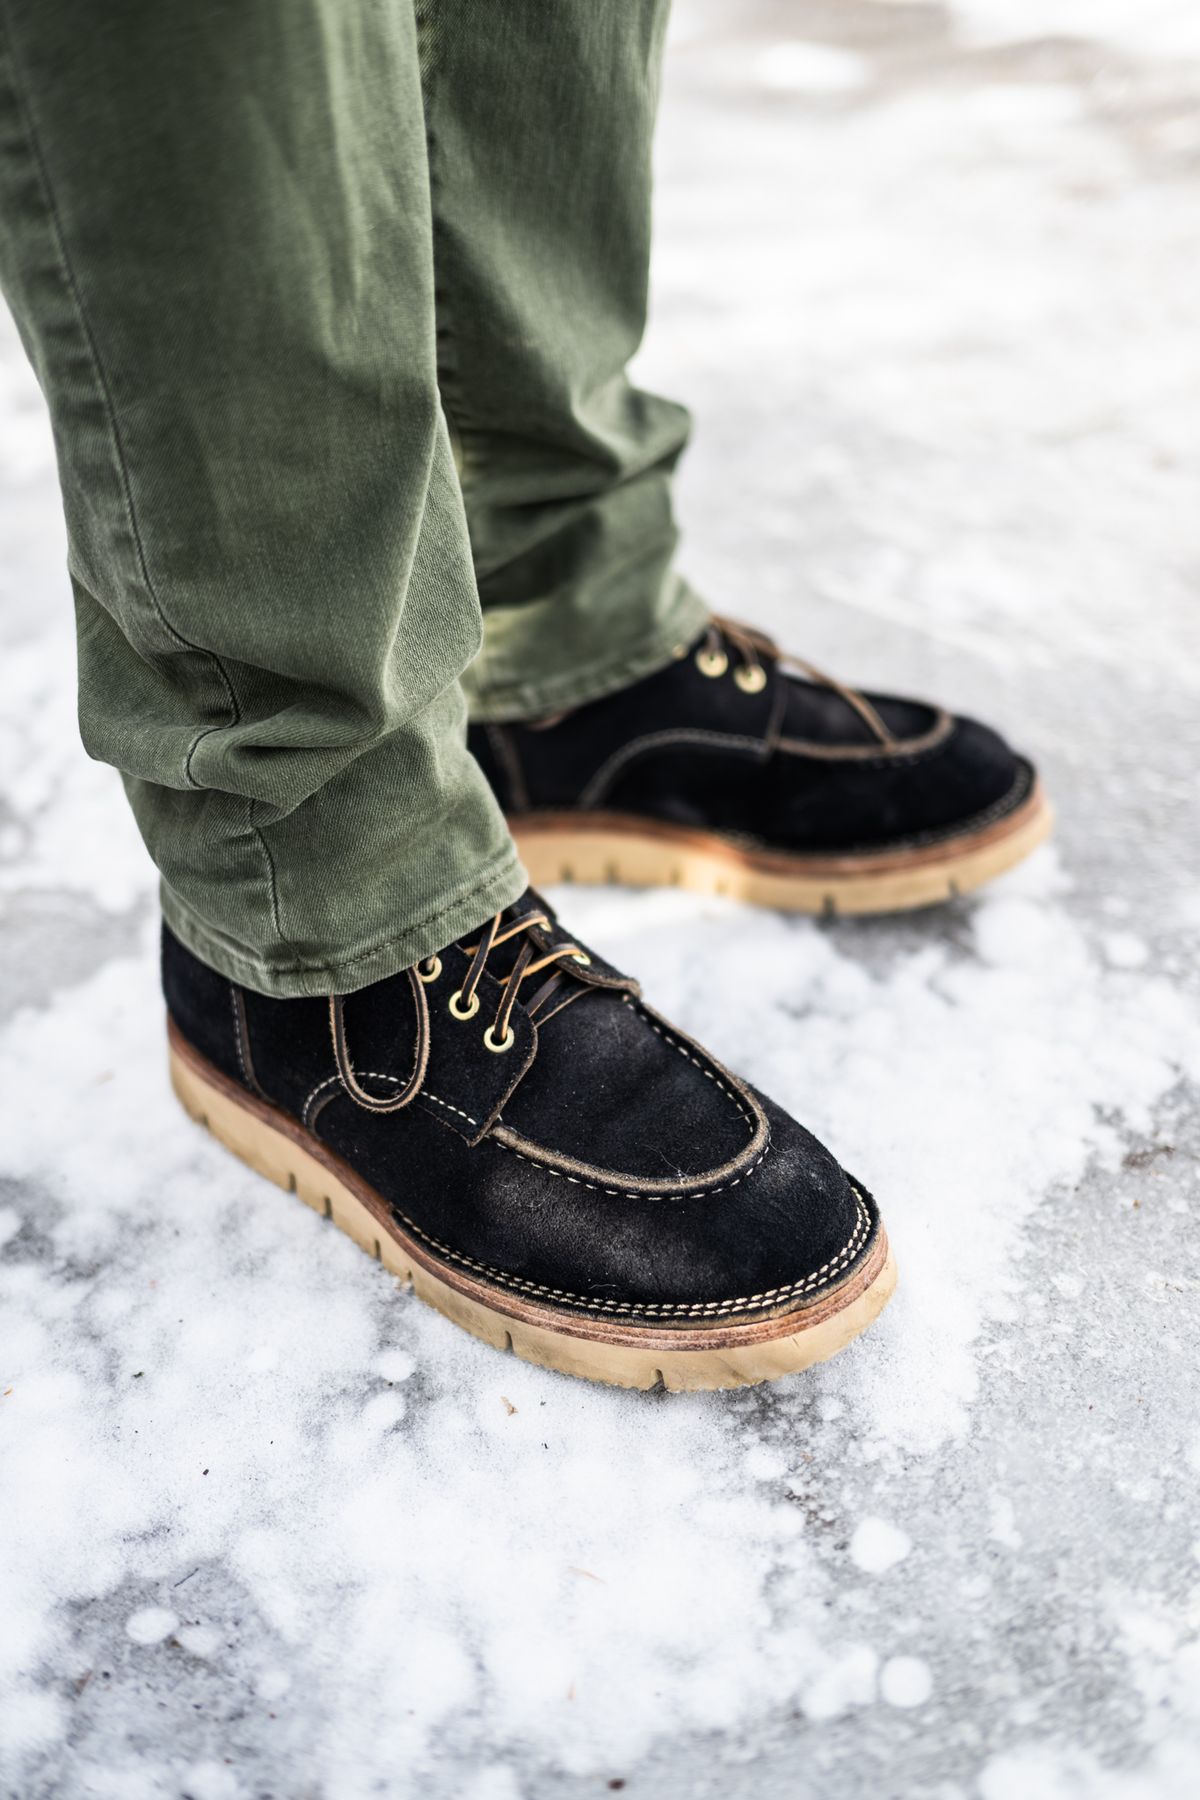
793 768
605 1164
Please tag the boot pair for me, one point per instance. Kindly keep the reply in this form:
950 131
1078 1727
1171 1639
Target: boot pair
512 1129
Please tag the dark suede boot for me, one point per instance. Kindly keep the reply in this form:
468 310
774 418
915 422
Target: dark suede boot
550 1164
727 773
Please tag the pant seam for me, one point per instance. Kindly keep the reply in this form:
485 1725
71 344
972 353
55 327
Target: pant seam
69 277
449 383
67 271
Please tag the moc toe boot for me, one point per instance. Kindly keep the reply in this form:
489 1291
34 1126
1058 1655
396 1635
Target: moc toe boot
510 1128
741 771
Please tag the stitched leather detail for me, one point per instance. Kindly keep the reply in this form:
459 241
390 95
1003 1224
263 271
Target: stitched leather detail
241 1040
632 1193
871 756
667 1309
308 1119
374 1075
720 740
598 1180
683 1049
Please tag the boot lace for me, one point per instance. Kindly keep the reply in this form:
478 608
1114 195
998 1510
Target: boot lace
550 997
726 642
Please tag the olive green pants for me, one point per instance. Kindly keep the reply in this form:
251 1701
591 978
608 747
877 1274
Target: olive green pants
331 301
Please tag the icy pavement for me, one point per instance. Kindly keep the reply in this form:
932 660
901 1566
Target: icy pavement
268 1527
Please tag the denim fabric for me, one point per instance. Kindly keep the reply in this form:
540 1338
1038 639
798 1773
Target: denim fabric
260 255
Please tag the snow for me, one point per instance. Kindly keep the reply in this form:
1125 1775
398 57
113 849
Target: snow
877 1546
150 1625
905 1681
270 1527
792 67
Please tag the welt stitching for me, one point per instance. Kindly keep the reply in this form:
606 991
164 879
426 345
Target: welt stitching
670 1308
653 741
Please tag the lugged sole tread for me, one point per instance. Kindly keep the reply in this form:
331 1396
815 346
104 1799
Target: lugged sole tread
601 849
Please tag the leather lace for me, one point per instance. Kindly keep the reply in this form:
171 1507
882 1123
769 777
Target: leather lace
752 646
526 964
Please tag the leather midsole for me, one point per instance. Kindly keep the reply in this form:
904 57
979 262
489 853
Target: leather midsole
819 866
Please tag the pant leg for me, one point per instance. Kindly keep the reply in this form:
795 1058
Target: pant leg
540 118
215 236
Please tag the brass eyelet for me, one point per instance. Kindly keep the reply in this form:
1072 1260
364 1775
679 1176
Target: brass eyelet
751 678
712 663
581 956
506 1042
464 1012
432 971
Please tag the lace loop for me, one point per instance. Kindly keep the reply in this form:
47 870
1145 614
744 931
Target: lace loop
345 1067
464 1003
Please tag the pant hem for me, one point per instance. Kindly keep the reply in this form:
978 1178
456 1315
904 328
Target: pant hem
603 675
460 912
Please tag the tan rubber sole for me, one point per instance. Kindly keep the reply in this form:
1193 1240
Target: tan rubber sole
722 1355
594 849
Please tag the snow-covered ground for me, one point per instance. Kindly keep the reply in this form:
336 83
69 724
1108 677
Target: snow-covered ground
928 275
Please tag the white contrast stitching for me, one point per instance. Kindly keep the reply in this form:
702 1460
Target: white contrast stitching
426 1095
630 1193
237 1032
329 1079
707 1309
373 1075
536 1162
684 1051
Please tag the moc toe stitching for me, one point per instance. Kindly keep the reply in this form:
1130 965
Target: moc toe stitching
875 756
526 1149
726 1174
645 1193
